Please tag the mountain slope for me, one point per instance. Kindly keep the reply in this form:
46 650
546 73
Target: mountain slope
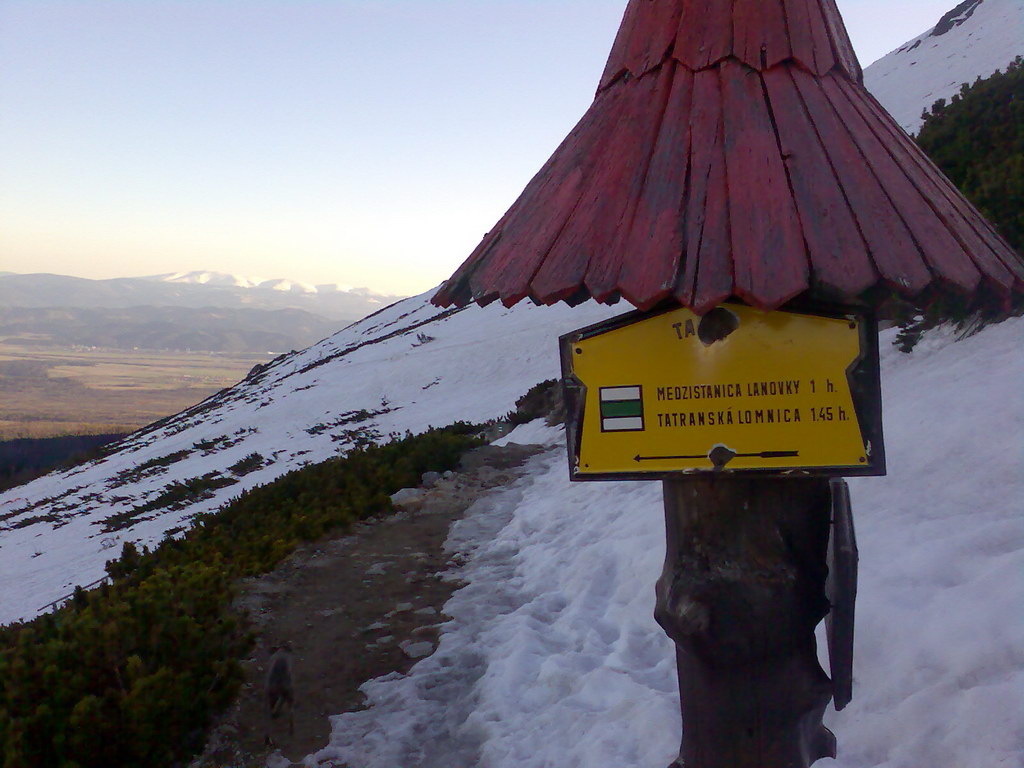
973 40
552 655
404 368
224 278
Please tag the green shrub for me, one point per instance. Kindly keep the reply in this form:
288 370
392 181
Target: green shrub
130 675
250 463
977 140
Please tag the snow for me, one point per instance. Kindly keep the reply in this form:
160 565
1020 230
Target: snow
552 656
927 68
551 641
286 286
942 562
532 433
206 278
406 367
199 277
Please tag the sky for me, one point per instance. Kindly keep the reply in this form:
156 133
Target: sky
369 143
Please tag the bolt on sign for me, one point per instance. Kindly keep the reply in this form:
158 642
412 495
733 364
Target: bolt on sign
653 395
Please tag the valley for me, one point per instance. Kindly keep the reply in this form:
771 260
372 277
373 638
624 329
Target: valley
54 390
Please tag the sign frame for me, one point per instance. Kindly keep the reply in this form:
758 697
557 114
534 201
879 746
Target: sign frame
863 377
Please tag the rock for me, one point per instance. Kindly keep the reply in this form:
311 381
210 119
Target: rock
504 457
496 430
489 477
417 650
429 479
276 759
428 611
409 499
377 569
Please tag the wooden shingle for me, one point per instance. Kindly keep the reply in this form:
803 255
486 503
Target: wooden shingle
732 151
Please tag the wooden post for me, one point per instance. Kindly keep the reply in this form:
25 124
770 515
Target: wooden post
742 590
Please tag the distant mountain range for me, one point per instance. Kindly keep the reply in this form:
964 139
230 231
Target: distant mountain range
235 281
199 311
972 40
188 289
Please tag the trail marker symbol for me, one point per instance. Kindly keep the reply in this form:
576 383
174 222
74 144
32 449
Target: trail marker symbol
622 409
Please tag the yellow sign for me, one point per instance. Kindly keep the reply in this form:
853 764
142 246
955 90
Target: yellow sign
735 390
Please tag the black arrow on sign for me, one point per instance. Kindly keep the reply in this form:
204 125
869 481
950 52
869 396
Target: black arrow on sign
761 455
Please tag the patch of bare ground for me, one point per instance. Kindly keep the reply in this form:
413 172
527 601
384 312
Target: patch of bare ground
352 608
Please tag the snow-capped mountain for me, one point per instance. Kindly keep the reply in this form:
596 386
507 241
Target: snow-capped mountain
205 278
288 286
973 40
238 281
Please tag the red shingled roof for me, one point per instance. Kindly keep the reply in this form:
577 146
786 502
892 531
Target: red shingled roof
732 150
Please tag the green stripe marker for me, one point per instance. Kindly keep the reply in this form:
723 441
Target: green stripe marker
622 409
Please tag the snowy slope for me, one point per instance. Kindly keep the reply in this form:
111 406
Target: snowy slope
404 368
552 656
975 39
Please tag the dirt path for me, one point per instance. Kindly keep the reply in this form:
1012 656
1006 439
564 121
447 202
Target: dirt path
352 608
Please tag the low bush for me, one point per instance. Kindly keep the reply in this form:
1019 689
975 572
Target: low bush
250 463
130 674
977 140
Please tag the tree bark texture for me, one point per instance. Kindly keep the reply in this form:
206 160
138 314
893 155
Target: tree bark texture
741 592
